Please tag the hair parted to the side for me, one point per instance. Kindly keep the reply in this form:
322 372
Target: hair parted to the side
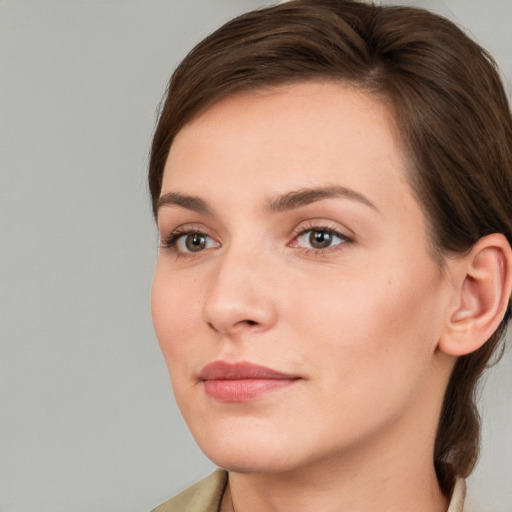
449 105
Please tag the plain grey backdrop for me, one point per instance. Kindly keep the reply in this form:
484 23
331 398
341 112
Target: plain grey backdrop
87 418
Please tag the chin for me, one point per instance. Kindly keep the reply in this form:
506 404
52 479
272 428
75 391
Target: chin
248 452
252 461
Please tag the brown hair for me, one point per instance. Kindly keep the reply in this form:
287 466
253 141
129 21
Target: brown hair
453 118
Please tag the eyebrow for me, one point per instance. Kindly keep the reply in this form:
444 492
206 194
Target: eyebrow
289 201
193 203
305 196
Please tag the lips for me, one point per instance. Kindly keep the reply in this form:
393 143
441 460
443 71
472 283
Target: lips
243 381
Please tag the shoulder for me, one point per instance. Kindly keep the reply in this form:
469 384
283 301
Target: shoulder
203 496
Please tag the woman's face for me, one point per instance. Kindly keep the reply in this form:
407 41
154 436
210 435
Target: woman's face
295 298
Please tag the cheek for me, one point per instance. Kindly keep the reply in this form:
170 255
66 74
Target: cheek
176 311
371 330
369 353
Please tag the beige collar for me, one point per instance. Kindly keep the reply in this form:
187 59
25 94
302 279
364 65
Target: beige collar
458 496
206 496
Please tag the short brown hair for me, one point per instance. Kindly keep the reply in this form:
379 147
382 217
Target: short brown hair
453 118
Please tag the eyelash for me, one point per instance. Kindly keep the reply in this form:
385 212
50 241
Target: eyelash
171 241
322 229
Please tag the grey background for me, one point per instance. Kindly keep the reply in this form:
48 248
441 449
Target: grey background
87 418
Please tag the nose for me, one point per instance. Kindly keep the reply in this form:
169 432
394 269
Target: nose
239 295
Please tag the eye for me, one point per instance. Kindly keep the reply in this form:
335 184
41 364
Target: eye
319 239
193 242
187 242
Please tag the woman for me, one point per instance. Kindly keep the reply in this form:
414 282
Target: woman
332 183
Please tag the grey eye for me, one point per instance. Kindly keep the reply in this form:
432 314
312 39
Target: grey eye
194 242
319 239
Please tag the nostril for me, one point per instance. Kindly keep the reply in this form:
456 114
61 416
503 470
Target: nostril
250 323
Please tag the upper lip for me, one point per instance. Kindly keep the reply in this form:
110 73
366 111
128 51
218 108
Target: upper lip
221 370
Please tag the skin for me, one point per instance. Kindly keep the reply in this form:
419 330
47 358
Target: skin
358 322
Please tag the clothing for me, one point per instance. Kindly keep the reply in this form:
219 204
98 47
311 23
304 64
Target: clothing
206 496
458 496
203 496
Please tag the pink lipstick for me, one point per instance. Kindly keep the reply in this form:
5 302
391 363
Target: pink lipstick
240 382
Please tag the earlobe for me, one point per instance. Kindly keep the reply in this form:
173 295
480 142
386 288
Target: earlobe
483 290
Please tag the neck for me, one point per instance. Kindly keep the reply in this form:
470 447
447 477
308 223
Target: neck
392 472
368 489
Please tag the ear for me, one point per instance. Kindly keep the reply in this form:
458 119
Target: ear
483 283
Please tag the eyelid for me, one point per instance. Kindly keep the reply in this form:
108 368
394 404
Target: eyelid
169 242
320 225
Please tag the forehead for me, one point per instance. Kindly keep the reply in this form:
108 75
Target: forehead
300 111
309 133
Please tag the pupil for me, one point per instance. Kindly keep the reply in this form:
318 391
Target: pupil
320 239
195 242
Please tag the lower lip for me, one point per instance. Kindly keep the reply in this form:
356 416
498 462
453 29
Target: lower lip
242 390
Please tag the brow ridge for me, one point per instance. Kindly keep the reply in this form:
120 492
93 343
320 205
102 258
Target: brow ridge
305 196
281 203
193 203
